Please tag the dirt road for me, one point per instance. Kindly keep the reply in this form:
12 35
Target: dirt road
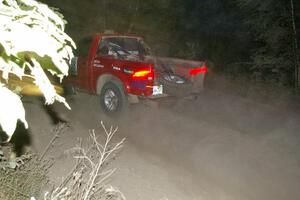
218 147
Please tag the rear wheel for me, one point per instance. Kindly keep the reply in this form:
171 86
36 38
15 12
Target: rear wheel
112 98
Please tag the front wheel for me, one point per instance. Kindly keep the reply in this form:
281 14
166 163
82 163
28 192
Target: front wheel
112 98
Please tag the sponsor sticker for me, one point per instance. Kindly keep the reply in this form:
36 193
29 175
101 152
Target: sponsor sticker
116 68
157 89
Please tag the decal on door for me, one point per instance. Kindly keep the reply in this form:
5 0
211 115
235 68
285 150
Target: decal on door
97 63
116 68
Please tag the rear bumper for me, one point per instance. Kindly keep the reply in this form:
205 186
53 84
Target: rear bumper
157 96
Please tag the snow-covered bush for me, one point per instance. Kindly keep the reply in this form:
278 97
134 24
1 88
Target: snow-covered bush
32 39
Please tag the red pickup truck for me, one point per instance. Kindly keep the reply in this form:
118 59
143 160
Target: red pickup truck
121 69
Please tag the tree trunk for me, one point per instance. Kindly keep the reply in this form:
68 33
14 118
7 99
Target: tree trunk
295 49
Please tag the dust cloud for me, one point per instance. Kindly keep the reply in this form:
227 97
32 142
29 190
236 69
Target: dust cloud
229 143
235 144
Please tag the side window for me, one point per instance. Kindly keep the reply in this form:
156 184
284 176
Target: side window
103 48
144 48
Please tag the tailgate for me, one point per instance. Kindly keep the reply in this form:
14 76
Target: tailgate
191 72
181 67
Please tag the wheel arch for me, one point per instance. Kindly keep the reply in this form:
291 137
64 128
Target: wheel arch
104 79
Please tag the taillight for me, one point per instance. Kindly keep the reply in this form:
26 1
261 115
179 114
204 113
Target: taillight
198 70
142 81
142 73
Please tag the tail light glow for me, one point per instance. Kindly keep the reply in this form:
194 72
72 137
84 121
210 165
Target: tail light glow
198 70
141 74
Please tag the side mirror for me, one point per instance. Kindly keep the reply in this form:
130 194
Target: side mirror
73 66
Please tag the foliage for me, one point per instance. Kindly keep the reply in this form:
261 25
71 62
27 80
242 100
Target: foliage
13 163
270 25
25 176
32 39
207 29
222 31
21 183
11 110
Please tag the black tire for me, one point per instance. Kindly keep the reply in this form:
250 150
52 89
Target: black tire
112 98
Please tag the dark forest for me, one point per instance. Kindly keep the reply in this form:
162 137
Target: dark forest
258 39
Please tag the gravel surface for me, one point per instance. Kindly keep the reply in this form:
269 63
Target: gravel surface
217 147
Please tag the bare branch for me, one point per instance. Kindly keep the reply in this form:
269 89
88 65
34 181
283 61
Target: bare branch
86 179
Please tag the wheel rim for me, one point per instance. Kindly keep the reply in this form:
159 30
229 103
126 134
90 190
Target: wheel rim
111 100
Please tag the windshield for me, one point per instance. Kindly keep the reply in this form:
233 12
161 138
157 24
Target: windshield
123 46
